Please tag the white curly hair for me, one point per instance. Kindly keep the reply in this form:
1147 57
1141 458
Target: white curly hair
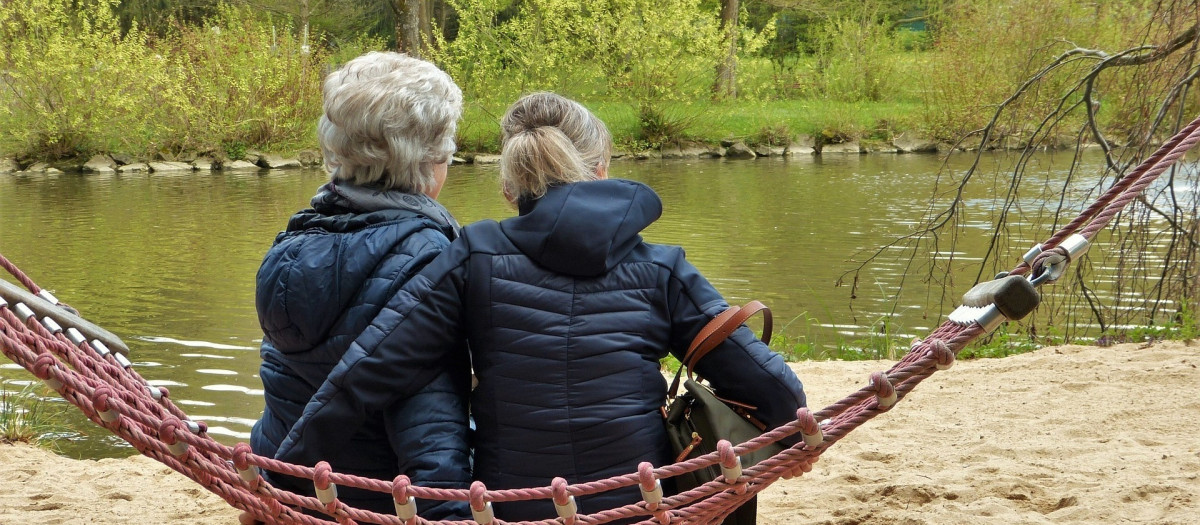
389 118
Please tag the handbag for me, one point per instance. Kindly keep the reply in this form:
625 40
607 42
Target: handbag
697 419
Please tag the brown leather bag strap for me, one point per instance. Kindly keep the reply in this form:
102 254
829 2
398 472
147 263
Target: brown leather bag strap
715 332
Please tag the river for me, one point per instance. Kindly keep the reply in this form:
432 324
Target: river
167 261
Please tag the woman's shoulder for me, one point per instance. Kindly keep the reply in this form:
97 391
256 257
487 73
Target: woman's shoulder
665 254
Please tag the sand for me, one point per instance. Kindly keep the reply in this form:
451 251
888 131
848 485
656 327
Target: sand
1070 434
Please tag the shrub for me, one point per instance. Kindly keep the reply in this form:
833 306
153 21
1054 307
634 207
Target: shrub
773 135
70 83
985 51
638 50
238 79
855 56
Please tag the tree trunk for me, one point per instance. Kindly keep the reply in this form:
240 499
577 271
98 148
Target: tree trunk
425 23
304 15
725 85
408 26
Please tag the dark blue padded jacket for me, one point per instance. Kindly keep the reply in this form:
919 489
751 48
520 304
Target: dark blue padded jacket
322 282
567 312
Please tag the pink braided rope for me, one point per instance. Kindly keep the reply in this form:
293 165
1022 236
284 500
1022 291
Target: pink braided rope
102 389
97 386
19 275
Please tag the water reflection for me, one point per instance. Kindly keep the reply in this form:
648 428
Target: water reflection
168 262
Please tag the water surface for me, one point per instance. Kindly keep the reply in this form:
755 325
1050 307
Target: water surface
167 262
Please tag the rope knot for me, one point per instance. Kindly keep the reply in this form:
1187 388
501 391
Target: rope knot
321 474
241 463
558 486
803 467
100 402
406 506
650 485
325 488
400 488
241 456
725 450
100 398
810 430
166 432
884 391
42 366
477 492
663 517
564 502
941 353
481 509
731 464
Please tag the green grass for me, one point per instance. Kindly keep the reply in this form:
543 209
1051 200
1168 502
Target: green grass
25 417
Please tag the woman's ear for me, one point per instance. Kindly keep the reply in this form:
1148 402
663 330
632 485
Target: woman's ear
602 171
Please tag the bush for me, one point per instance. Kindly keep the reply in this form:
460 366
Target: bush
70 83
636 50
773 135
237 79
985 52
855 57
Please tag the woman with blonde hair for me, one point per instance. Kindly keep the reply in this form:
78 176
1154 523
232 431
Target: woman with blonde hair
567 313
387 134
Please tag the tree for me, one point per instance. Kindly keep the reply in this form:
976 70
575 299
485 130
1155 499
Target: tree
1130 84
725 85
414 25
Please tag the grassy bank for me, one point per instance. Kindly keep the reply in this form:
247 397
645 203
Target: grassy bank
752 121
73 82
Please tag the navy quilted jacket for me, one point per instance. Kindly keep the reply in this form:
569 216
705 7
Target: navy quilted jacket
567 312
322 282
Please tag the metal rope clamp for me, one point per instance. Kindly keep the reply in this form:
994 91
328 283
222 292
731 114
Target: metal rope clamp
1055 264
991 303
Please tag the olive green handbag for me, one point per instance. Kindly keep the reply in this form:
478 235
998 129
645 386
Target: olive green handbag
697 419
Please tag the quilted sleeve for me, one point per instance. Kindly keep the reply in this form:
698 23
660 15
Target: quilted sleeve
742 368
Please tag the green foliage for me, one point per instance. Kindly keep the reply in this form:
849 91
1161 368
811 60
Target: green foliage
25 417
854 57
239 79
637 50
1184 325
773 135
1001 343
656 128
985 51
70 83
216 77
234 149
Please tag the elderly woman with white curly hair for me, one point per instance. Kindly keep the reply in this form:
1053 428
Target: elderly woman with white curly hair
387 135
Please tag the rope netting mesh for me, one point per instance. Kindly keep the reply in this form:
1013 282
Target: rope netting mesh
106 388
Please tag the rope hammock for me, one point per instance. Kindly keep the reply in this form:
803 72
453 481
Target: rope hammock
78 364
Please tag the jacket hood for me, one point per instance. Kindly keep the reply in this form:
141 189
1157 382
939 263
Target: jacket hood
338 205
584 229
340 261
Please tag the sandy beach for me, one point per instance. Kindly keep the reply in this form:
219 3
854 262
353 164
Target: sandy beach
1072 434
